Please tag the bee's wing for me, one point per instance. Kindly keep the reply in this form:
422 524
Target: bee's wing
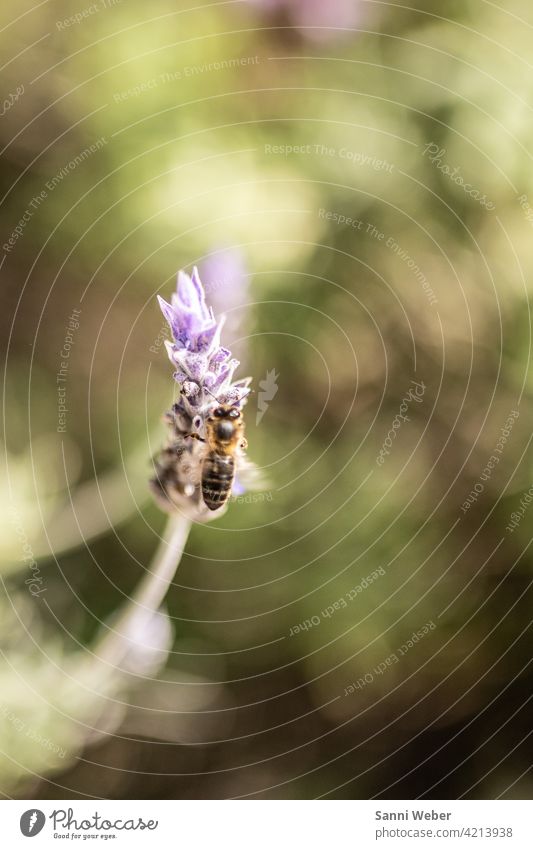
248 476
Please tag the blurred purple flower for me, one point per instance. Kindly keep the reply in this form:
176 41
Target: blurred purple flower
225 278
317 20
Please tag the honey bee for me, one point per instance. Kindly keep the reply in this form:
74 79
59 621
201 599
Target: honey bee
225 440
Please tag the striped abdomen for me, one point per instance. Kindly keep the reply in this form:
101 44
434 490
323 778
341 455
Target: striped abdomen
218 471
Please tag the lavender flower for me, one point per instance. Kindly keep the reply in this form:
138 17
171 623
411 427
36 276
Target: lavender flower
202 364
139 639
204 372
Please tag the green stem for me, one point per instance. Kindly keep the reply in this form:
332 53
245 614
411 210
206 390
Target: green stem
149 594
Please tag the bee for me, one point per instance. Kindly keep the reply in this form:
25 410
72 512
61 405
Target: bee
225 440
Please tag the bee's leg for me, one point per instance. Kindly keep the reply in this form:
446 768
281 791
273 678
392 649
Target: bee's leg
194 436
244 443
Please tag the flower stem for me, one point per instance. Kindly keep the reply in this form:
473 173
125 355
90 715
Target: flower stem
147 597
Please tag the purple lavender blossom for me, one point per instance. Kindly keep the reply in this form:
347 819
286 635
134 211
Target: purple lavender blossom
204 372
203 367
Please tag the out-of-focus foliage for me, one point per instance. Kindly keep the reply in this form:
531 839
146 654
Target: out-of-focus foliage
327 160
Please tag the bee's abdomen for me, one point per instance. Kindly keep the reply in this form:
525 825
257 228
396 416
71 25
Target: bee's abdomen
217 478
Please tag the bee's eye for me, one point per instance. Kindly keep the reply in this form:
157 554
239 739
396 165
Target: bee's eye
234 413
219 412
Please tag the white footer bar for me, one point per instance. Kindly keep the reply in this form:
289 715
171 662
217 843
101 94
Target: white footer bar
267 824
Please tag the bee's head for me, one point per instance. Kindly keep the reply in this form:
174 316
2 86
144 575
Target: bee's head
225 418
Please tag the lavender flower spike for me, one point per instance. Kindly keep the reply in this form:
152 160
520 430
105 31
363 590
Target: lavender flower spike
196 352
204 371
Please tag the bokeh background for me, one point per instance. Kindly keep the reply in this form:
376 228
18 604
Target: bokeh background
353 180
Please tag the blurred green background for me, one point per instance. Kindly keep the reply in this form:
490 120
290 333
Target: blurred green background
309 160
